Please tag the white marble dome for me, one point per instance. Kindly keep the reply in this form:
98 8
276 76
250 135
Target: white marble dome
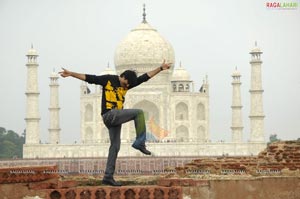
256 49
32 51
142 50
236 73
54 74
180 74
108 71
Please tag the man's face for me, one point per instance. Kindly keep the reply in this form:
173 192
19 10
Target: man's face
124 82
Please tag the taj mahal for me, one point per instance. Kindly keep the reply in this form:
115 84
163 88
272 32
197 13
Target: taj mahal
177 114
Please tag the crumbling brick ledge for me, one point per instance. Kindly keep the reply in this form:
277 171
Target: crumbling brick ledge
273 174
22 190
44 182
237 187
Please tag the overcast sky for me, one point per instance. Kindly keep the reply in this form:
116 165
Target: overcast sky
209 38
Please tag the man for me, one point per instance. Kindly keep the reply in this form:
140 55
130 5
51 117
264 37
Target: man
114 89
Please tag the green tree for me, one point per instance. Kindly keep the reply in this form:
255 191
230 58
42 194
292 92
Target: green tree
273 138
8 149
2 131
11 144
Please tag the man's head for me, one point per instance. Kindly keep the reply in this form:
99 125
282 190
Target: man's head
128 78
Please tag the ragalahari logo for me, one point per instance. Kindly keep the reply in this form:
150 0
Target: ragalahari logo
282 5
156 130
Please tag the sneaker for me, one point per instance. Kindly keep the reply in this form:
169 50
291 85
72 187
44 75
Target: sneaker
141 148
110 181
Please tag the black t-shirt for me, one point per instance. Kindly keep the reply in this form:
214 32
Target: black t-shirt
113 94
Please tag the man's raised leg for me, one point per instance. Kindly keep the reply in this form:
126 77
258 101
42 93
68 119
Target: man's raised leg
125 115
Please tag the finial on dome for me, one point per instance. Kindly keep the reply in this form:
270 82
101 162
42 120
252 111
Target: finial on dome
180 64
31 46
144 13
255 43
107 64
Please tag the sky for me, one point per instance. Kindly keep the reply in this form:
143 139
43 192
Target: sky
209 38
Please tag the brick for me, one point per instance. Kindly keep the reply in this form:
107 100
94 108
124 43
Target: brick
67 184
182 182
48 184
142 192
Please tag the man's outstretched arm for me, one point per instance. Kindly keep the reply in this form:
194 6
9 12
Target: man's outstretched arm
163 66
67 73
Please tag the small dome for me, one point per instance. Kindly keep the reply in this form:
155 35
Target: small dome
180 74
32 51
236 73
256 49
108 71
54 74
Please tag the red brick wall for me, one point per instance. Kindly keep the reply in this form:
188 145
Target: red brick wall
277 157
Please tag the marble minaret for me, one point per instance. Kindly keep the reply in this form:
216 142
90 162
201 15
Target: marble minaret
237 122
256 96
54 129
32 99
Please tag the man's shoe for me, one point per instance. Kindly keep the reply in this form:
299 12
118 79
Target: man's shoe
111 182
142 148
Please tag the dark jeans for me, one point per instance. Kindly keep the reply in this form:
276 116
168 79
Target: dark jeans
113 120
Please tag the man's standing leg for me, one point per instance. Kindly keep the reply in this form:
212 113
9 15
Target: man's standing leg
115 141
113 120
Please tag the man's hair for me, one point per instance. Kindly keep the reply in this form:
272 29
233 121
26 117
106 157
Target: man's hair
131 77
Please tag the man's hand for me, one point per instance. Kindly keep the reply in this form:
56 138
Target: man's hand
165 66
65 73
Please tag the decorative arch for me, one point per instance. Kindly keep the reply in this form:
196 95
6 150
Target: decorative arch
104 135
180 88
187 87
200 112
151 114
88 137
181 111
88 114
174 87
150 110
182 134
201 134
